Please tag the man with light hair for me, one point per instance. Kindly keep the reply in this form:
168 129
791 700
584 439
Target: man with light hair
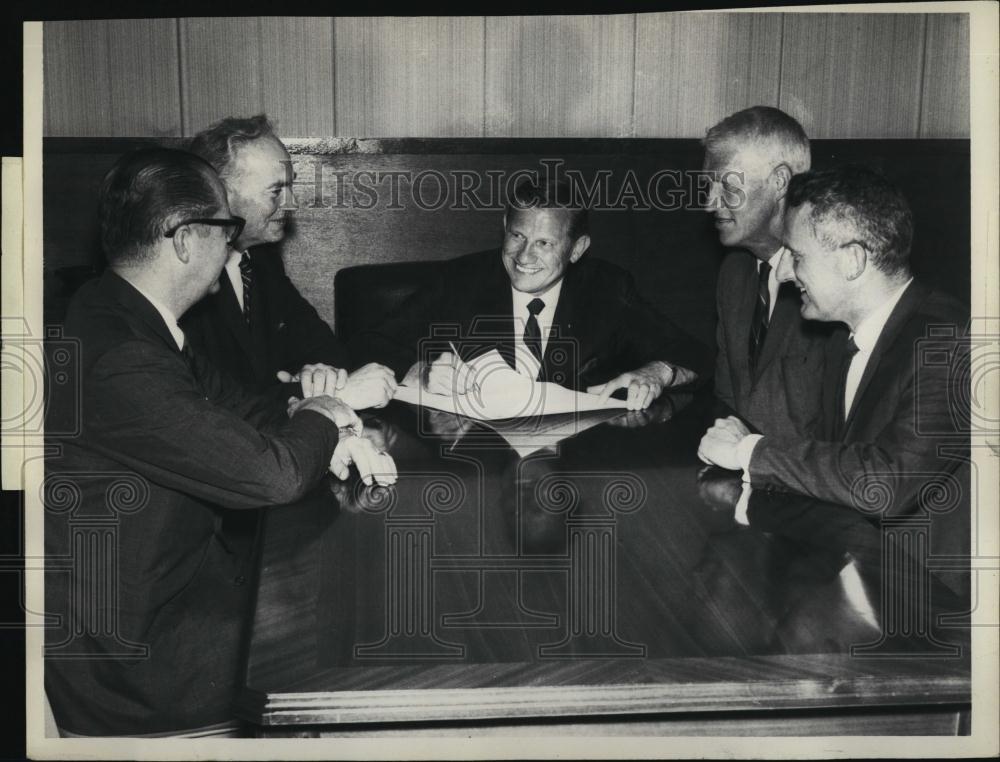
896 390
768 357
258 327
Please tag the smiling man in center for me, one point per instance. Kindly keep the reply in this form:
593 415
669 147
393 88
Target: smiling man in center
552 313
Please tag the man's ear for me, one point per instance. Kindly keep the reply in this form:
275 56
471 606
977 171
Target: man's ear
782 175
182 243
853 260
581 246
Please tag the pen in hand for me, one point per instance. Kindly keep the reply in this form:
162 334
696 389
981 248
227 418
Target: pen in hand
458 365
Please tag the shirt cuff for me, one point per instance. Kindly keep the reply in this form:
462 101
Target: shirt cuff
740 517
744 451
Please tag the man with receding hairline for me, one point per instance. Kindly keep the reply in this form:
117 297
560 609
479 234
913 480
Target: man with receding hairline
892 393
768 356
150 618
258 327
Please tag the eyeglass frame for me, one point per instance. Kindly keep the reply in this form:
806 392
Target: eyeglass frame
219 222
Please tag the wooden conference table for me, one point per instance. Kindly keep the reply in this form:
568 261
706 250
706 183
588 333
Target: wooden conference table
600 586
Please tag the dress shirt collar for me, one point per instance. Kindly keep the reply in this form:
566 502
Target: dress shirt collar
232 269
168 317
550 297
869 330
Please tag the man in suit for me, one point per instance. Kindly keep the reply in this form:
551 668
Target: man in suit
892 391
768 356
258 327
148 589
551 313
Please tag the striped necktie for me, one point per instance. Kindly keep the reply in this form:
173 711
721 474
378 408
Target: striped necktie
761 317
246 275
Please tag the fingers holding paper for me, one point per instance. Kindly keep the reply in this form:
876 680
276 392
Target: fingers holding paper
644 386
448 374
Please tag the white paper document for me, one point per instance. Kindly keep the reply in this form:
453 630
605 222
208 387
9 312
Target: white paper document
499 392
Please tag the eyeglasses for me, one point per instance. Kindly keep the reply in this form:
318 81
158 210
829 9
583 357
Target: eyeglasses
233 226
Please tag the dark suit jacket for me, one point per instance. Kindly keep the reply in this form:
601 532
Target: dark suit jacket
782 398
603 326
912 400
134 520
285 330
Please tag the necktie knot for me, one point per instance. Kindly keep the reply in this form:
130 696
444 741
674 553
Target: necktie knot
245 265
535 306
852 347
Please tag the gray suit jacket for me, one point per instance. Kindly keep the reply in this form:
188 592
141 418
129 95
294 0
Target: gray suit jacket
783 397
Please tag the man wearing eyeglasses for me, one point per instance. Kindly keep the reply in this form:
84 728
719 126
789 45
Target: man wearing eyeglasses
149 625
768 357
895 391
258 327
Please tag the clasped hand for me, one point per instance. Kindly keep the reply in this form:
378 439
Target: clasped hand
371 385
720 444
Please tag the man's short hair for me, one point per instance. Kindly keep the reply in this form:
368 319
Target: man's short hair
145 193
859 205
550 193
766 128
219 143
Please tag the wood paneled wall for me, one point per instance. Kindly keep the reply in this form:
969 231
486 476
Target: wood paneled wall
629 75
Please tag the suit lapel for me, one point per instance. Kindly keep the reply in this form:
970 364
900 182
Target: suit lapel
786 309
908 302
232 316
128 296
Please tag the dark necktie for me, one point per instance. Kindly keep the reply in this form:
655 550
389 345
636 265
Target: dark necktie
761 310
532 333
246 274
850 350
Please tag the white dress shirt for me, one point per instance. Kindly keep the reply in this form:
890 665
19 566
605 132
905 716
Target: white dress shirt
866 337
524 361
772 279
166 314
235 276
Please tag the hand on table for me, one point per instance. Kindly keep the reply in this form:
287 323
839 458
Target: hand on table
644 384
720 444
374 466
316 380
326 405
371 385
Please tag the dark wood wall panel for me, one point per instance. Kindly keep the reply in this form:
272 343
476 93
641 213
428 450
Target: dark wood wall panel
220 70
111 78
944 102
409 76
560 76
296 74
693 69
853 76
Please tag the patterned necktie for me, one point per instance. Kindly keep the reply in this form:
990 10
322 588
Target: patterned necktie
761 310
246 275
532 333
842 410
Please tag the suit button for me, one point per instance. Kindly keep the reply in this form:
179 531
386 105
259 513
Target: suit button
240 579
